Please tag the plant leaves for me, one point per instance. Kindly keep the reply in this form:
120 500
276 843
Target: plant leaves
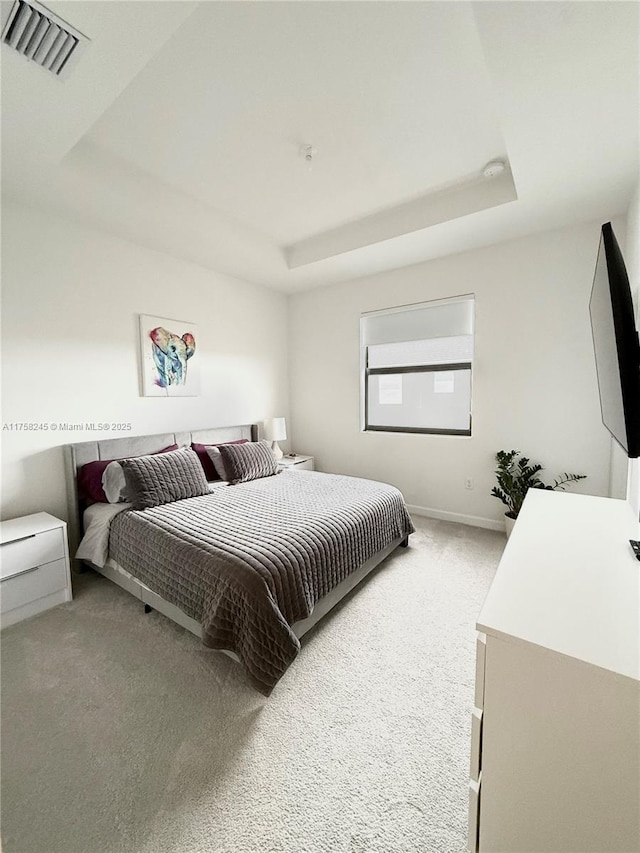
516 476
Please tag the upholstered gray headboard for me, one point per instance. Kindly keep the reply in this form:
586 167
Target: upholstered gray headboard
77 455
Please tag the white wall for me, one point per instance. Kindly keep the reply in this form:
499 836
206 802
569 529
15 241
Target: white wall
535 386
71 297
632 263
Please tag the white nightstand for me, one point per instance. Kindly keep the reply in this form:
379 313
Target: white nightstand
299 461
34 566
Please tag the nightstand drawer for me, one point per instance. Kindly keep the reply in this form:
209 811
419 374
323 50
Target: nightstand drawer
305 465
297 463
32 584
31 551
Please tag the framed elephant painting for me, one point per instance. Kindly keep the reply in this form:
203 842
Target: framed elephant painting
169 357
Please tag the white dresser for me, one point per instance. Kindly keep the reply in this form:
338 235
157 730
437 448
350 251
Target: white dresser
34 566
555 758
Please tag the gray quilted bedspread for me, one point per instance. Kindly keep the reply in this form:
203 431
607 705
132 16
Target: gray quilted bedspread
248 561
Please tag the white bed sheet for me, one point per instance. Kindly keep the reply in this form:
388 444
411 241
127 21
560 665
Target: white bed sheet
94 545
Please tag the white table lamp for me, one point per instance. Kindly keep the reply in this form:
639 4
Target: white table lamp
275 430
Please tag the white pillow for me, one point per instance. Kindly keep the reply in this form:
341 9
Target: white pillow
114 483
218 464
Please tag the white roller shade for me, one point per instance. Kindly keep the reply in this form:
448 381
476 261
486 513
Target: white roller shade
450 350
453 318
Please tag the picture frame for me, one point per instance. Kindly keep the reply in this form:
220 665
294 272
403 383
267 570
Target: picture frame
170 364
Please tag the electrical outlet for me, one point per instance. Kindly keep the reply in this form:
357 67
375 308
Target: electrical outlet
468 483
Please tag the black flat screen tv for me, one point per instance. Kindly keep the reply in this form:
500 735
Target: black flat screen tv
616 345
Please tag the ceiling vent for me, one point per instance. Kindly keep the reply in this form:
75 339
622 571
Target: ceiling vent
42 37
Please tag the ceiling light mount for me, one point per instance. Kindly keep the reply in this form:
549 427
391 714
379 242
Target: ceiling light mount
494 168
308 152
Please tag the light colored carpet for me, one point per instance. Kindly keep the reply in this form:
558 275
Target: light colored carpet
122 733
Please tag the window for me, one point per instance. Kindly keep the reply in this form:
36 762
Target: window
417 367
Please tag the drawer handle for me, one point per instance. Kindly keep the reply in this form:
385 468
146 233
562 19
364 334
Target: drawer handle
23 572
21 539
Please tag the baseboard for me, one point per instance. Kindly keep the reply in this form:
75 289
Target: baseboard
457 517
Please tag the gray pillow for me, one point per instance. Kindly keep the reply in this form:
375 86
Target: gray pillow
164 478
250 461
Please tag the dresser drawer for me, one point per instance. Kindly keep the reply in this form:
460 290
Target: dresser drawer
32 584
476 744
481 652
31 551
474 816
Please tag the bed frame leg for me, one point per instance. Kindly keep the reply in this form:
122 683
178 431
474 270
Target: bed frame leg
148 608
404 542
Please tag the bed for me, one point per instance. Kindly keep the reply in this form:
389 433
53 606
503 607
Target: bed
250 567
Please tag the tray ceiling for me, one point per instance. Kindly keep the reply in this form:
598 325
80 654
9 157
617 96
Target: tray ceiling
185 133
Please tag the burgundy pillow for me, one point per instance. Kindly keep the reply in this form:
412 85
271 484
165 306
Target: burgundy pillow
90 489
201 449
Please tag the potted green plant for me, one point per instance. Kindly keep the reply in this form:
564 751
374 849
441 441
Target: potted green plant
516 476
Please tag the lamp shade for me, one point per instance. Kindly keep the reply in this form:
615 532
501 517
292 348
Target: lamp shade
275 429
